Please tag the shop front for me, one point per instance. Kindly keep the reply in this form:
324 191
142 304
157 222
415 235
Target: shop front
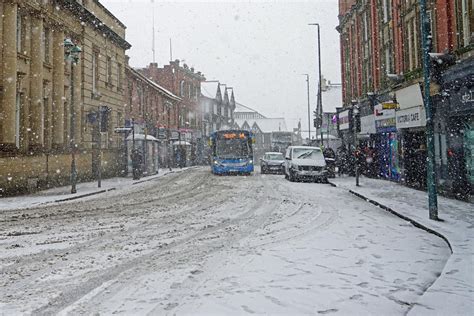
386 141
459 84
367 143
411 126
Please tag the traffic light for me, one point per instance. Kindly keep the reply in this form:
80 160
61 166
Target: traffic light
439 63
317 122
357 123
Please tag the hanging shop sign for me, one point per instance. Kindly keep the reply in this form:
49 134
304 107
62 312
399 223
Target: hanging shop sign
412 117
384 119
389 105
344 120
174 135
367 125
461 102
409 97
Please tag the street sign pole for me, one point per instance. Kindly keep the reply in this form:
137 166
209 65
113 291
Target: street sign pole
99 163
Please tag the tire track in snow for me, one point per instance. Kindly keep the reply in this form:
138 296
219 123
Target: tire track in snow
196 246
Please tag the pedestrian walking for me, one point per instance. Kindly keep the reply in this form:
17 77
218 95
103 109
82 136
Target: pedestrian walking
341 159
420 166
137 159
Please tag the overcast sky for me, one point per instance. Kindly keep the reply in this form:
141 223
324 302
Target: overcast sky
260 48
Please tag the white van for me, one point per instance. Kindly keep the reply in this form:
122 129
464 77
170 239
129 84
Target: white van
305 163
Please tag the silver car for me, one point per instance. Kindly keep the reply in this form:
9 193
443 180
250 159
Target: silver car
305 163
272 162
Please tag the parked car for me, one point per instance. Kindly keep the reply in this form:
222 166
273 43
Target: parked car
305 163
272 162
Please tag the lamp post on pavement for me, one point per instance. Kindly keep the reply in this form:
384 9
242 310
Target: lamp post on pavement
355 118
168 134
309 108
431 173
319 109
71 54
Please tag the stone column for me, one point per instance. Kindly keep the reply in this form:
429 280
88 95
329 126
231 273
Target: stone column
36 84
7 113
77 101
58 88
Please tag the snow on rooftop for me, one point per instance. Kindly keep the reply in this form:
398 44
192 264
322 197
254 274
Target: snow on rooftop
266 125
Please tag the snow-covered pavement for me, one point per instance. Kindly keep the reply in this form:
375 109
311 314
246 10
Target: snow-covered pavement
194 243
453 291
84 189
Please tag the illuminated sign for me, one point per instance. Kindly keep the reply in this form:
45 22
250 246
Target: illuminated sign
389 106
234 135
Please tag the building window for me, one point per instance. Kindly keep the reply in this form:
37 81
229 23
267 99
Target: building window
432 30
466 23
19 33
109 71
44 112
416 56
119 76
95 71
181 88
17 119
46 44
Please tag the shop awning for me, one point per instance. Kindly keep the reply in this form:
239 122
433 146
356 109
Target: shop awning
142 137
181 143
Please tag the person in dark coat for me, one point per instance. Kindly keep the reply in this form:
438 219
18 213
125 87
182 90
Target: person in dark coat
341 160
420 166
137 159
330 157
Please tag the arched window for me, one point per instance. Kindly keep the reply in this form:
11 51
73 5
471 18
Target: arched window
181 88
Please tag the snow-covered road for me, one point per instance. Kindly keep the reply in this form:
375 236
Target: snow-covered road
194 243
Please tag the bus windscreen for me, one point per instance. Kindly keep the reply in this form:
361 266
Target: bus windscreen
232 148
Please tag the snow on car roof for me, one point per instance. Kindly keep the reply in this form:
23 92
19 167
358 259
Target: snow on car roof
305 147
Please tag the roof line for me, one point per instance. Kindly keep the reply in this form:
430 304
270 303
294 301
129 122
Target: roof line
249 108
155 85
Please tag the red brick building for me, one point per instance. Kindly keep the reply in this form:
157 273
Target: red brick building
152 110
380 37
185 83
381 64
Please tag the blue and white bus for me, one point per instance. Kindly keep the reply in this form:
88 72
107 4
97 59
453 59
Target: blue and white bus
232 152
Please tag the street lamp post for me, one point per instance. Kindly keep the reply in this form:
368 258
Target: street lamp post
71 54
431 175
319 109
309 108
169 145
355 117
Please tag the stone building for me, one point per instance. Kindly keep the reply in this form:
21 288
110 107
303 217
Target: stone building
61 78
